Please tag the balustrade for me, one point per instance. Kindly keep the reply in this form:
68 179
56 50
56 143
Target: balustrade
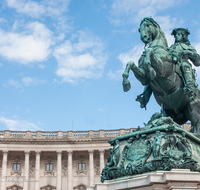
17 134
1 133
49 134
81 133
112 133
60 134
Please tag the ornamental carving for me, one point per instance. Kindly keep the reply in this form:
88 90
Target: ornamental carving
16 158
80 158
160 147
80 187
15 173
32 169
48 158
48 187
14 187
97 168
48 173
64 168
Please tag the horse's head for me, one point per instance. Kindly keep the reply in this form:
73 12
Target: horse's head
150 30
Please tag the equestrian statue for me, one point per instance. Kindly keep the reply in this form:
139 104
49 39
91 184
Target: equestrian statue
168 74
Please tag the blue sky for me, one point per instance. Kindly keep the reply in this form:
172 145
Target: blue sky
61 61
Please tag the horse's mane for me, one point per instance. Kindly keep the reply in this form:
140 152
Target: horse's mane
160 38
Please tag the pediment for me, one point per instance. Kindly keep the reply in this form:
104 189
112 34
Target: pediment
14 187
48 187
80 187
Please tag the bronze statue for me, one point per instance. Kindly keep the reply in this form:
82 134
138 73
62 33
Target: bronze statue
184 51
172 82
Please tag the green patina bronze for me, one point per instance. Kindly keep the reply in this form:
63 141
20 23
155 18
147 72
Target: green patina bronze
161 145
167 73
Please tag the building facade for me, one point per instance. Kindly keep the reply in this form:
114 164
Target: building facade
60 160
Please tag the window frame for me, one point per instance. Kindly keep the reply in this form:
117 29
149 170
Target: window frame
49 165
82 164
15 169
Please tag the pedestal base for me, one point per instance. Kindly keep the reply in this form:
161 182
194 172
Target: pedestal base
176 179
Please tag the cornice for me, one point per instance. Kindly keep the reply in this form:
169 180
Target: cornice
52 141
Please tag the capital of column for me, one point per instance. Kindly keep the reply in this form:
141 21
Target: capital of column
102 151
91 151
38 152
70 152
27 152
59 152
5 151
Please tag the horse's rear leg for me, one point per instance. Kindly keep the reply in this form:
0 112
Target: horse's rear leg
193 113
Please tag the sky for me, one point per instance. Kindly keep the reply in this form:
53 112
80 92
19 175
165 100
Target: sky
61 62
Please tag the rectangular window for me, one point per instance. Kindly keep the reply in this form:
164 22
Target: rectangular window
16 167
49 167
81 166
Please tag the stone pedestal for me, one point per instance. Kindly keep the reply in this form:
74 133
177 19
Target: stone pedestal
176 179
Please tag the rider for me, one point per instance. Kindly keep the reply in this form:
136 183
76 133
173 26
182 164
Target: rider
181 51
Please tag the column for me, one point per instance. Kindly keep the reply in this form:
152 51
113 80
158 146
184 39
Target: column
59 171
70 175
4 169
26 170
37 170
91 167
101 152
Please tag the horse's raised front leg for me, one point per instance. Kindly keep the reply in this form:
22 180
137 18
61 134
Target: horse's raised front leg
138 72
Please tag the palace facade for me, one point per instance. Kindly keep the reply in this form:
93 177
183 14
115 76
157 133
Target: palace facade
60 160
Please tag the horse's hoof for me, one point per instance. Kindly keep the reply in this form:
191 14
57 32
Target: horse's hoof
126 85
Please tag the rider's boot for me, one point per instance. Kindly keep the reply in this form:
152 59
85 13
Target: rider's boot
189 88
144 97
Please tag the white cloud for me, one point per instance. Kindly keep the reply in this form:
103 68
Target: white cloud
83 59
14 83
36 10
18 125
132 55
25 82
135 10
29 46
28 81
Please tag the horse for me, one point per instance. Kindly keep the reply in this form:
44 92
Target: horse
157 70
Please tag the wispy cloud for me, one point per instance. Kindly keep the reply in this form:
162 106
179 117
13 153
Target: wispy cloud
31 45
13 83
24 82
134 10
18 125
132 55
37 10
28 81
82 59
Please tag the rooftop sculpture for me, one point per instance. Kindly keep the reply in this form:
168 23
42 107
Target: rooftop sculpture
167 73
